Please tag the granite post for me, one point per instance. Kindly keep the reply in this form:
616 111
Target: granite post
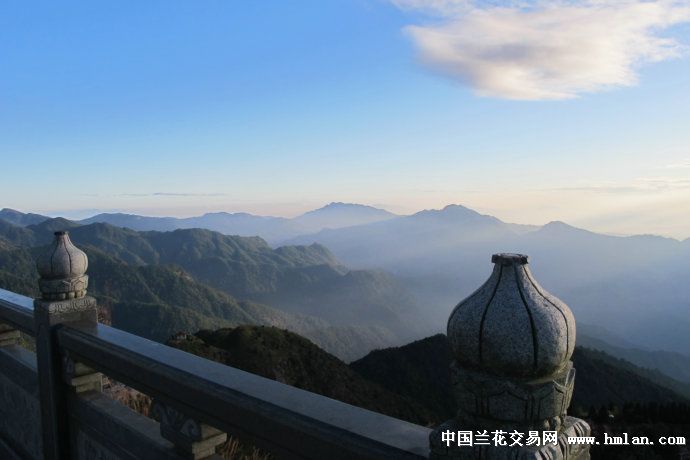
512 376
63 283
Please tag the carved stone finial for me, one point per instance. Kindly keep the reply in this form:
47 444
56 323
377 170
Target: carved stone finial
63 270
511 326
512 342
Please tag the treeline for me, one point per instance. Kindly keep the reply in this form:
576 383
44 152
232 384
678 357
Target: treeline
652 412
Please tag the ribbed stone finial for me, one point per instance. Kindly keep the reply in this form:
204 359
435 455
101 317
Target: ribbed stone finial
511 326
63 270
512 342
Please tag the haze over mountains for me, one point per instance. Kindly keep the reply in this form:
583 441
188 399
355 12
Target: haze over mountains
158 283
272 229
630 295
637 287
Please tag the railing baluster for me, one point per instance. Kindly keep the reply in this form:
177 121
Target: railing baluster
8 335
79 376
192 439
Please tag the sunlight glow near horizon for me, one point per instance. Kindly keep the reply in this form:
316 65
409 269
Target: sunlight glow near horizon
167 108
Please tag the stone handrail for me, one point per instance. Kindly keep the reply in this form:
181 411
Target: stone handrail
193 391
18 311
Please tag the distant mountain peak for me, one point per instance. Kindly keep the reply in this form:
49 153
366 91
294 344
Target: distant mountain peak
11 211
20 218
559 227
339 205
451 209
458 208
339 214
558 224
455 212
53 225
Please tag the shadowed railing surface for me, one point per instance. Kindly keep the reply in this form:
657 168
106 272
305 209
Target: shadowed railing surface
290 422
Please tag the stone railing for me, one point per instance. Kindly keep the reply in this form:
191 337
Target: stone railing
52 406
70 418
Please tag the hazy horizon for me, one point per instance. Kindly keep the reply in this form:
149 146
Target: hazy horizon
86 213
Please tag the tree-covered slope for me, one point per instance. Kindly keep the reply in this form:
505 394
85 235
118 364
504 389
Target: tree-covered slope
603 379
419 369
16 235
156 301
19 218
302 280
673 364
422 368
417 373
286 357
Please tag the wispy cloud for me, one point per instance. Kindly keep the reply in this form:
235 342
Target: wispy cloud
540 50
175 194
641 185
666 182
682 165
613 189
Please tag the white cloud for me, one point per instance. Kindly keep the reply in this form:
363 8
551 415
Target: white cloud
641 185
545 50
682 165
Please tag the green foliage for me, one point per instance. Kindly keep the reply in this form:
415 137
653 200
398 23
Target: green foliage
17 271
19 218
411 369
126 290
159 321
422 368
44 230
286 357
603 379
17 236
297 279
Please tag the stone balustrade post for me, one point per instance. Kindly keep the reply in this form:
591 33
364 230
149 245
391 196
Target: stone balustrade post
192 439
79 376
63 284
8 335
512 376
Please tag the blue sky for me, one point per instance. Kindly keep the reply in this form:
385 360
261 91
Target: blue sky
273 107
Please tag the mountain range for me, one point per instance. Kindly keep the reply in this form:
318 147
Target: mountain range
272 229
158 283
630 295
637 287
